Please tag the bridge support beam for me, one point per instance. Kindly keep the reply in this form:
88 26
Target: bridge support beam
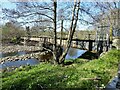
90 45
100 47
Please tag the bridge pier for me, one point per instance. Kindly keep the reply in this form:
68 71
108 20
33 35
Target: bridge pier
90 45
100 47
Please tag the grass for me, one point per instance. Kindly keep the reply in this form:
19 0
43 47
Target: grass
75 75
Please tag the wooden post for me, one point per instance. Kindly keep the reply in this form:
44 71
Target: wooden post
49 39
90 45
28 33
82 45
44 39
76 43
101 47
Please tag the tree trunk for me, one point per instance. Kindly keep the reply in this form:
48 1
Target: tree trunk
61 35
72 30
55 33
28 33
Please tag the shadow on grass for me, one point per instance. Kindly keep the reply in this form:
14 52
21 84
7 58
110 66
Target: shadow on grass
89 55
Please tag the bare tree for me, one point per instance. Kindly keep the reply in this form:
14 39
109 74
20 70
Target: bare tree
45 15
76 9
108 19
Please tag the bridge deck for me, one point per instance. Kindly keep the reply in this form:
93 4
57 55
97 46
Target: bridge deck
39 38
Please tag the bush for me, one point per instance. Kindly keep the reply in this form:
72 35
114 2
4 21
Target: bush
16 40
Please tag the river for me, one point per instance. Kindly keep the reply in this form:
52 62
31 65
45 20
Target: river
73 53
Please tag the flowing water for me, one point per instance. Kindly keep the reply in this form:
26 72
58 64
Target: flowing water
19 63
73 53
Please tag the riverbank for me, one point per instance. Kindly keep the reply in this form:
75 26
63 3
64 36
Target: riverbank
17 48
80 74
29 52
38 55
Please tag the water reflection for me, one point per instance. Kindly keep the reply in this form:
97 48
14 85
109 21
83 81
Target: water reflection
19 63
74 53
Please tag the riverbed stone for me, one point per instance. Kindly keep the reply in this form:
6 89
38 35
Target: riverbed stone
2 62
16 59
24 57
14 48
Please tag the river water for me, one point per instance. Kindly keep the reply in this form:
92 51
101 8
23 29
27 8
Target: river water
19 63
73 53
12 54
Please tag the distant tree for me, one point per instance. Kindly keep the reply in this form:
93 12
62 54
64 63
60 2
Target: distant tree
11 32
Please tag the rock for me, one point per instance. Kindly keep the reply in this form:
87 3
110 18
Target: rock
2 62
8 68
28 64
16 59
22 57
29 58
32 57
103 53
16 69
21 67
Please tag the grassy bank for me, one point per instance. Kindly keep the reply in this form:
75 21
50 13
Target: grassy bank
76 75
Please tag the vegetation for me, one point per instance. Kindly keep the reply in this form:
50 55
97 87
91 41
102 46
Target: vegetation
11 33
76 75
85 34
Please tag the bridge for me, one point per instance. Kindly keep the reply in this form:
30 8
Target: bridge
97 45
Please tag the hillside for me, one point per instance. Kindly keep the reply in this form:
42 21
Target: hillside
80 74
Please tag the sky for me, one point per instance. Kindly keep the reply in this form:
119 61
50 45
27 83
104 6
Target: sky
5 4
61 0
9 5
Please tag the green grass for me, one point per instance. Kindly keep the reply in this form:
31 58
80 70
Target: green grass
75 75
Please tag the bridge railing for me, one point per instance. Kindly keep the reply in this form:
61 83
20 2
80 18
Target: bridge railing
83 44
